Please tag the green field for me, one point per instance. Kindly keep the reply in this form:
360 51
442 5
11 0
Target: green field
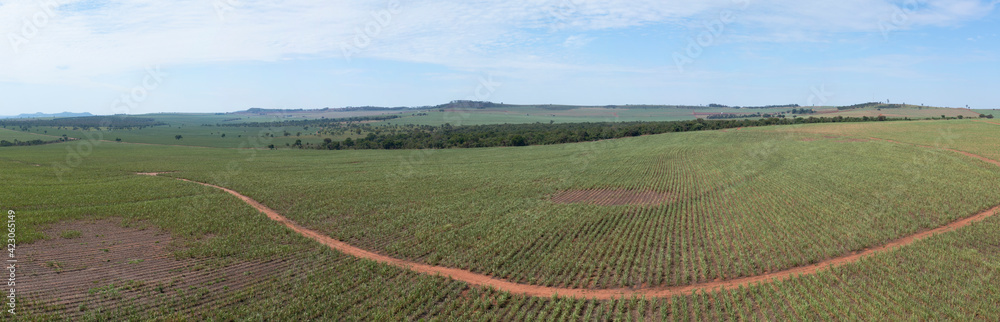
11 135
207 130
978 136
738 203
909 111
542 114
194 132
197 135
994 112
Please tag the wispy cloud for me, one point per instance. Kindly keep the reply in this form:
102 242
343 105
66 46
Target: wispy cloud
88 38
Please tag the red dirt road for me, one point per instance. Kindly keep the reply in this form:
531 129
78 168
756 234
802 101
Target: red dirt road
605 294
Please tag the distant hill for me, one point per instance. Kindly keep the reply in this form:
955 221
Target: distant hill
40 115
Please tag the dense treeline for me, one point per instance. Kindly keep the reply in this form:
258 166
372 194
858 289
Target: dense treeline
479 136
726 116
5 143
468 104
116 122
771 106
857 106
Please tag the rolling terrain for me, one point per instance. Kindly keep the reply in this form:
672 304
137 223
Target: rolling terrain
612 217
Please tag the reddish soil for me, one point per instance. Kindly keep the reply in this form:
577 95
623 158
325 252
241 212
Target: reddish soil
609 197
152 173
107 265
852 140
603 294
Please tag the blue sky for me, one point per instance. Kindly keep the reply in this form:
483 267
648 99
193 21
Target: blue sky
145 56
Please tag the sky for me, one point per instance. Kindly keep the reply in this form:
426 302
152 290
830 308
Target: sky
146 56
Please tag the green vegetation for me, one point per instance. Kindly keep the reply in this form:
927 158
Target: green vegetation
479 136
86 122
12 135
976 136
282 128
70 234
742 202
487 210
16 138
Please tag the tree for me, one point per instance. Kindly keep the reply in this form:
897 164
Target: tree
223 134
518 140
270 146
178 137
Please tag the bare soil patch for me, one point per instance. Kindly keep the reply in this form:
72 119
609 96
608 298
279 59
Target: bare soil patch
152 173
100 265
611 197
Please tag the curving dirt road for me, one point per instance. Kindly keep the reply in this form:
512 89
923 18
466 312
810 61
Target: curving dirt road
602 294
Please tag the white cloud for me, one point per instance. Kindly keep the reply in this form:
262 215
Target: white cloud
577 41
114 36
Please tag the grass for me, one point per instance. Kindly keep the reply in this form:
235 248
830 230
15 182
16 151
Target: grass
541 114
748 201
978 136
487 210
70 234
201 130
11 135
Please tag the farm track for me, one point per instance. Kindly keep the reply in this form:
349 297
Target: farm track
477 279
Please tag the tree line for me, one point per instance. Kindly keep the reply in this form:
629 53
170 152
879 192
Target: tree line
496 135
87 122
5 143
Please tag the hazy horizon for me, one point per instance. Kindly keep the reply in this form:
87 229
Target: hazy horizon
138 57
